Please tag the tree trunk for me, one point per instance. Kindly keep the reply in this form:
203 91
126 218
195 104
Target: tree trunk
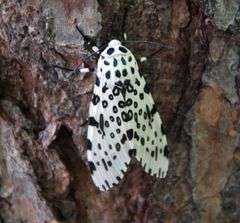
194 81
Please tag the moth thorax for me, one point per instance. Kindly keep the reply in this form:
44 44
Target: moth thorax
114 43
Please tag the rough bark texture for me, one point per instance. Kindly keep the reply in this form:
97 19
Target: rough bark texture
43 111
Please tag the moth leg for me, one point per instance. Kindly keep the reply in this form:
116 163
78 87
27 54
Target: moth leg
82 70
143 59
77 70
125 36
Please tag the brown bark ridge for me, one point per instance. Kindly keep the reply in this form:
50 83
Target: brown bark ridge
43 110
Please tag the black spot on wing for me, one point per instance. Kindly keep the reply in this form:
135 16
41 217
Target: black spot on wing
152 153
116 91
121 104
119 84
156 153
105 165
115 109
115 62
106 62
137 82
105 88
141 96
129 102
129 87
104 103
110 97
92 121
132 70
123 61
107 124
110 51
135 104
112 135
97 81
130 115
101 122
138 125
92 166
119 122
122 49
118 147
123 139
145 115
89 144
154 110
148 112
130 134
95 99
124 72
106 182
127 116
136 117
108 74
118 73
146 89
166 151
136 136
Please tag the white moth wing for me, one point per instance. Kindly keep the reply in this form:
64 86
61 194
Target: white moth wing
123 121
109 138
150 144
150 139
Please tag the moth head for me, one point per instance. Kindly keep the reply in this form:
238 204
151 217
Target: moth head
114 43
114 48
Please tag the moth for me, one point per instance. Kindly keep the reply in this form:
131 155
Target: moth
123 121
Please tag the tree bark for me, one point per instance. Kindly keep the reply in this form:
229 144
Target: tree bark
194 81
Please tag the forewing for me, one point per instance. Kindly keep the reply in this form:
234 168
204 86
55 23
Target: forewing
109 136
149 136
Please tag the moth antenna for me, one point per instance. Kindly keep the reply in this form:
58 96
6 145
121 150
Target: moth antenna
85 37
88 41
154 53
149 42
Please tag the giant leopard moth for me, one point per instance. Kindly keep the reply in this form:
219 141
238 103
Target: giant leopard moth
123 121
